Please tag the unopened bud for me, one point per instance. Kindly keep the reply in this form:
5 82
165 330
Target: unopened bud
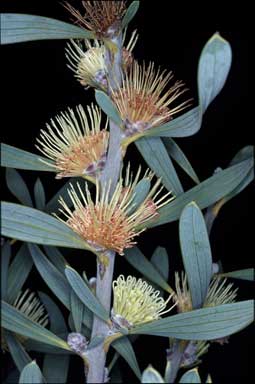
77 342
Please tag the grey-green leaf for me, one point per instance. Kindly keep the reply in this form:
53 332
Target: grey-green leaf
155 154
150 375
125 349
85 295
16 28
178 155
29 224
18 187
55 368
77 309
243 274
191 376
202 324
17 351
17 158
136 258
204 194
130 13
39 194
5 260
57 321
196 253
53 204
18 272
140 193
31 374
160 261
17 322
106 104
213 68
56 258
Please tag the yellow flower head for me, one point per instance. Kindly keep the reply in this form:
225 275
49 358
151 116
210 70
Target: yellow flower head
28 304
101 17
75 143
88 62
111 223
136 302
142 100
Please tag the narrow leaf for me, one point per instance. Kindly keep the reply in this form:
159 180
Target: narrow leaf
29 224
39 194
85 294
17 351
77 309
17 158
136 258
18 272
5 260
125 349
155 154
18 187
53 205
243 274
191 376
178 155
106 104
31 374
57 321
56 258
202 324
16 28
150 375
196 253
17 322
140 193
130 13
160 261
55 368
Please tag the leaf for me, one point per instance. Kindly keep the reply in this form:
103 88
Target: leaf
57 322
85 295
17 351
17 28
125 349
191 376
155 154
130 13
150 375
109 108
39 194
243 274
196 253
140 193
55 368
213 68
31 374
17 158
204 194
178 155
29 224
17 322
5 260
202 324
18 187
33 345
56 258
51 275
18 272
77 309
136 258
160 261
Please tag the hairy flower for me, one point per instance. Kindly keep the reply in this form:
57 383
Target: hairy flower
142 100
88 63
101 17
111 223
75 143
29 305
136 302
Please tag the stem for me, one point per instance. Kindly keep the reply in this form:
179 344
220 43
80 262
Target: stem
175 362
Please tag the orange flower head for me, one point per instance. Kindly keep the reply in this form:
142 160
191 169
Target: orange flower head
142 101
75 143
112 223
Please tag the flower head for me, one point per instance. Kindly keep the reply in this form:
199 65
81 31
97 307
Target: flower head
28 304
75 144
136 302
88 63
111 223
101 17
141 101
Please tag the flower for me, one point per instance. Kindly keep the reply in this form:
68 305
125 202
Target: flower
89 65
28 304
102 17
136 302
111 223
141 102
75 144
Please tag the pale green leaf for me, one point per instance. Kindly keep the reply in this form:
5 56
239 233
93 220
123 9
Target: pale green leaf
5 260
160 261
130 13
106 104
77 309
56 258
31 374
243 274
55 368
17 351
150 375
18 187
191 376
39 194
125 349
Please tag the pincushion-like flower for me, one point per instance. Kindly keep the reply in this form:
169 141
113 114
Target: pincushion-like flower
112 223
143 101
101 17
28 304
88 63
136 302
75 143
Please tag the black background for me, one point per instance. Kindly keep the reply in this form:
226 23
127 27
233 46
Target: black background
36 84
